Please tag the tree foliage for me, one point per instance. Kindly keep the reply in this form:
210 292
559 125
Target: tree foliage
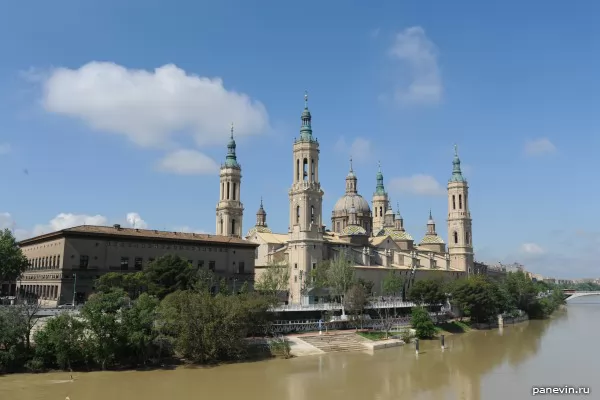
355 301
428 291
335 275
274 279
422 323
132 283
12 260
169 274
478 297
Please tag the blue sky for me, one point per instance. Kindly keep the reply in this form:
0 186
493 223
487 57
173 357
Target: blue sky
109 108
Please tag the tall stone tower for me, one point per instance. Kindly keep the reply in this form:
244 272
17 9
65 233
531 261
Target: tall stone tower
380 203
460 244
230 210
305 245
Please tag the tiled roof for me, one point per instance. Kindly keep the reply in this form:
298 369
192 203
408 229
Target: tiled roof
333 237
432 239
352 230
395 234
117 231
260 229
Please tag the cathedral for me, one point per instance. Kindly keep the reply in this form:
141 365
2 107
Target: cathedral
371 236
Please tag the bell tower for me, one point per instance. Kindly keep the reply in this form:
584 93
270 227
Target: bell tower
305 245
230 209
460 244
380 202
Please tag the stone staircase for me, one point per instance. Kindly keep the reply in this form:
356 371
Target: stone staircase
336 342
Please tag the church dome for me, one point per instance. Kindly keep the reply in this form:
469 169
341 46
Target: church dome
394 233
345 203
352 230
432 239
259 229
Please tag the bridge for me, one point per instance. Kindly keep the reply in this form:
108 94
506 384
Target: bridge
572 294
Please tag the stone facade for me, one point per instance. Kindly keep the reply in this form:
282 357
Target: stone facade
69 261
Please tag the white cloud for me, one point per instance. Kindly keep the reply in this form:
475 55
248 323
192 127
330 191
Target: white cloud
187 229
150 107
538 147
5 148
135 221
188 162
68 220
360 149
413 48
419 184
532 249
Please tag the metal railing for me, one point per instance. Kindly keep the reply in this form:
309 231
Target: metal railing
394 303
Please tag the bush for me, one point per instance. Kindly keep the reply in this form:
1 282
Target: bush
35 365
422 323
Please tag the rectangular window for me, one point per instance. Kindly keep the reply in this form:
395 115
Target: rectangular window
83 261
295 266
241 267
200 263
460 202
124 263
212 266
454 202
234 189
295 278
137 264
314 265
256 253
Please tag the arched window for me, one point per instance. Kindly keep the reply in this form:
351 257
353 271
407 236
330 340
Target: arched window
222 191
453 202
460 201
233 226
312 170
221 226
455 237
297 214
381 211
337 227
312 214
234 189
305 170
228 191
467 238
297 170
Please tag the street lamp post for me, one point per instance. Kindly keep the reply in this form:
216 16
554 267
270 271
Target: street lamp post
74 288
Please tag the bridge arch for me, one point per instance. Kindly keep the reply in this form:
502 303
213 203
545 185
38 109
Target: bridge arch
573 295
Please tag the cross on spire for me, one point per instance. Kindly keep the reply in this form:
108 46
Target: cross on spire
455 149
306 99
232 130
351 169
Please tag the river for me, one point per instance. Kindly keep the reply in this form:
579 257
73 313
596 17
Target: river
490 365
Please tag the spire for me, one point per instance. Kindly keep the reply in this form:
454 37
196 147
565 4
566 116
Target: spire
456 172
351 181
398 215
379 189
231 158
430 225
261 215
352 214
398 222
306 129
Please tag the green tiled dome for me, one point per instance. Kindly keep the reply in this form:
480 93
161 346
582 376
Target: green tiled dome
259 229
432 239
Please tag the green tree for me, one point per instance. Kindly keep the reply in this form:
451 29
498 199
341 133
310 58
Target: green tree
478 297
355 301
422 323
428 291
273 280
392 284
133 284
13 351
336 275
367 285
169 274
61 342
12 261
102 312
521 291
137 324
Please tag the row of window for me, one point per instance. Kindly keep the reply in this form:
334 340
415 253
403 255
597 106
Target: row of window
305 171
312 214
460 202
168 247
139 261
228 194
467 237
44 262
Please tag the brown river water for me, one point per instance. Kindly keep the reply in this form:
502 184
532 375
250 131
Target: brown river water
490 365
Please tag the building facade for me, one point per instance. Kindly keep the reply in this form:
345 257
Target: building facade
375 241
64 265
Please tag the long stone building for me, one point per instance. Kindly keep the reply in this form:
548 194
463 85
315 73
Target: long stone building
64 265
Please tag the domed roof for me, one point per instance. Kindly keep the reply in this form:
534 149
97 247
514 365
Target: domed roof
394 233
344 204
352 230
259 229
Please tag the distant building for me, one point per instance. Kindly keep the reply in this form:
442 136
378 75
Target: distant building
70 260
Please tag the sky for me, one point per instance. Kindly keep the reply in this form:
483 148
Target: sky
119 112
